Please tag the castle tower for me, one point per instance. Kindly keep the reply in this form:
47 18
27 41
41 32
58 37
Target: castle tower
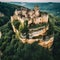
16 12
45 17
37 11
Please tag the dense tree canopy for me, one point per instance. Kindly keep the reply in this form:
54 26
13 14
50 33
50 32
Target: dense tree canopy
13 49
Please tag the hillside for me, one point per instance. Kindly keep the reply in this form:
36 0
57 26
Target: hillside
7 10
12 49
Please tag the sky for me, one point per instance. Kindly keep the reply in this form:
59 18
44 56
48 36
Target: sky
30 0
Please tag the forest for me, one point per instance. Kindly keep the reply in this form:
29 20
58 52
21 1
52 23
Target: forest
12 49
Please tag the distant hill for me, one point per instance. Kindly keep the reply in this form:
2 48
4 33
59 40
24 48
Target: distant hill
8 9
50 7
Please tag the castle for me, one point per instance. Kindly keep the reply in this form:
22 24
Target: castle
37 26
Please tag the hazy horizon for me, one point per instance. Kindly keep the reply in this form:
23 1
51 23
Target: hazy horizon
30 0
